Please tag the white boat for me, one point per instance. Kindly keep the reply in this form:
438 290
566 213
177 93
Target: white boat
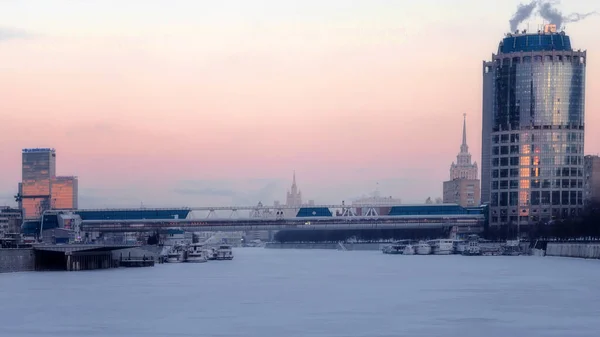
224 252
442 246
196 253
398 249
211 253
423 248
459 246
175 254
472 247
409 250
402 247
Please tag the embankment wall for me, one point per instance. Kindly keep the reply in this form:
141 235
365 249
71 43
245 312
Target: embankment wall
18 259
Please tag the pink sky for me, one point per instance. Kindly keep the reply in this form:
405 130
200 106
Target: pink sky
207 104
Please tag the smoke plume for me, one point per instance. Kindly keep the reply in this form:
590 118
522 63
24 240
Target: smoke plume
553 15
578 17
547 11
523 12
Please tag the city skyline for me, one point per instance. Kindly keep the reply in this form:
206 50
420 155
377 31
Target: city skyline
343 96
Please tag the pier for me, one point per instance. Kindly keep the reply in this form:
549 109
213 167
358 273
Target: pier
136 263
73 257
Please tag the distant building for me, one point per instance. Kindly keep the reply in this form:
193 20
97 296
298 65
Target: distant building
463 186
384 204
64 192
38 168
592 178
464 192
293 198
10 220
40 189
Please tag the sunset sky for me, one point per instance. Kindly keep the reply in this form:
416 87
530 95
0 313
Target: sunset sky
201 103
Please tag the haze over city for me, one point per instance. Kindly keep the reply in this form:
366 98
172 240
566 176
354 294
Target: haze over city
213 103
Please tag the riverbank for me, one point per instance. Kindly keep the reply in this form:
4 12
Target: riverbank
334 246
23 259
16 259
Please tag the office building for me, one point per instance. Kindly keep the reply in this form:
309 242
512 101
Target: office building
382 205
533 128
591 179
463 186
64 192
40 189
10 220
38 167
486 131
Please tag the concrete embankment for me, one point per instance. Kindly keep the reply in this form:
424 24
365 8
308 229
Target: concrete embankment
363 246
275 245
338 246
583 250
15 260
148 252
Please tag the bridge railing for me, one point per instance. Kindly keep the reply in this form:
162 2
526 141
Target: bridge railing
249 225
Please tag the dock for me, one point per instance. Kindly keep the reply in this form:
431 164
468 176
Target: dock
133 263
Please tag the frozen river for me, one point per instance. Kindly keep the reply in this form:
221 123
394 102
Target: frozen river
274 293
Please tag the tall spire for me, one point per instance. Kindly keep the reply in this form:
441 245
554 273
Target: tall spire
463 147
294 179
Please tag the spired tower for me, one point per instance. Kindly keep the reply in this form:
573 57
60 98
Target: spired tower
463 186
294 196
463 169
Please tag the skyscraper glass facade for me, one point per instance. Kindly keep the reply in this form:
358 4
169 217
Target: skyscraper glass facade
41 189
64 193
38 168
533 129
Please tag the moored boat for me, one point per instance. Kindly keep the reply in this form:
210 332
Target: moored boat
459 246
211 253
442 246
423 248
196 253
224 252
175 254
472 247
394 249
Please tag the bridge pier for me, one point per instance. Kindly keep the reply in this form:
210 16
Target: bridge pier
73 261
90 261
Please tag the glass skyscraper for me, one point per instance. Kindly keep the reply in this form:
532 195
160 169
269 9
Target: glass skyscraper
38 168
41 189
533 128
64 192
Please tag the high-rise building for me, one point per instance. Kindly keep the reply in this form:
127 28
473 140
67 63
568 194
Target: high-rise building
486 131
40 188
533 128
294 196
592 179
463 186
64 192
38 168
10 220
